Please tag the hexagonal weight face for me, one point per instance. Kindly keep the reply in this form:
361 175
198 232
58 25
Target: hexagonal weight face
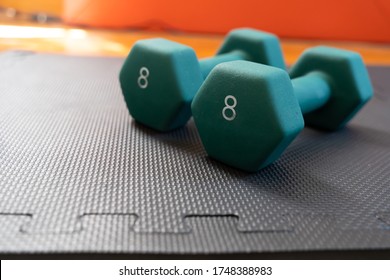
246 114
260 47
349 80
159 79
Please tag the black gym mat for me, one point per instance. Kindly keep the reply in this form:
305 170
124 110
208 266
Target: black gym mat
78 175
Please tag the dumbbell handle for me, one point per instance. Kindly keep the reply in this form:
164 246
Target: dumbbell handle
207 64
312 91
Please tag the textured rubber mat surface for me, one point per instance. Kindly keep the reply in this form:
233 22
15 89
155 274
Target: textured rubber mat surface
77 174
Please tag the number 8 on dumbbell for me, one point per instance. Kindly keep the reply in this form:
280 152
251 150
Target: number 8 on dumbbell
143 77
229 108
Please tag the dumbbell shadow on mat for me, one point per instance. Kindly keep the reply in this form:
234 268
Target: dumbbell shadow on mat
248 113
159 78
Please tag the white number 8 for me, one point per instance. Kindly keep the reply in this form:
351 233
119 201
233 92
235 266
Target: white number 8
231 107
143 77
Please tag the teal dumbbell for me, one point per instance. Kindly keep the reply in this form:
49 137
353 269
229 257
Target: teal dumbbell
247 113
159 78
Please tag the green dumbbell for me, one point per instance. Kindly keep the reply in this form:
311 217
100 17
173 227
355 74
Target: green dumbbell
248 113
159 78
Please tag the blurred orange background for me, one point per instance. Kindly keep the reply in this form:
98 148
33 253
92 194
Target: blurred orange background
362 20
365 20
54 7
110 28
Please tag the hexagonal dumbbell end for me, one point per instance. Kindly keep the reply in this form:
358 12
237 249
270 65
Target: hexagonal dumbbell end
246 114
261 47
159 79
348 79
